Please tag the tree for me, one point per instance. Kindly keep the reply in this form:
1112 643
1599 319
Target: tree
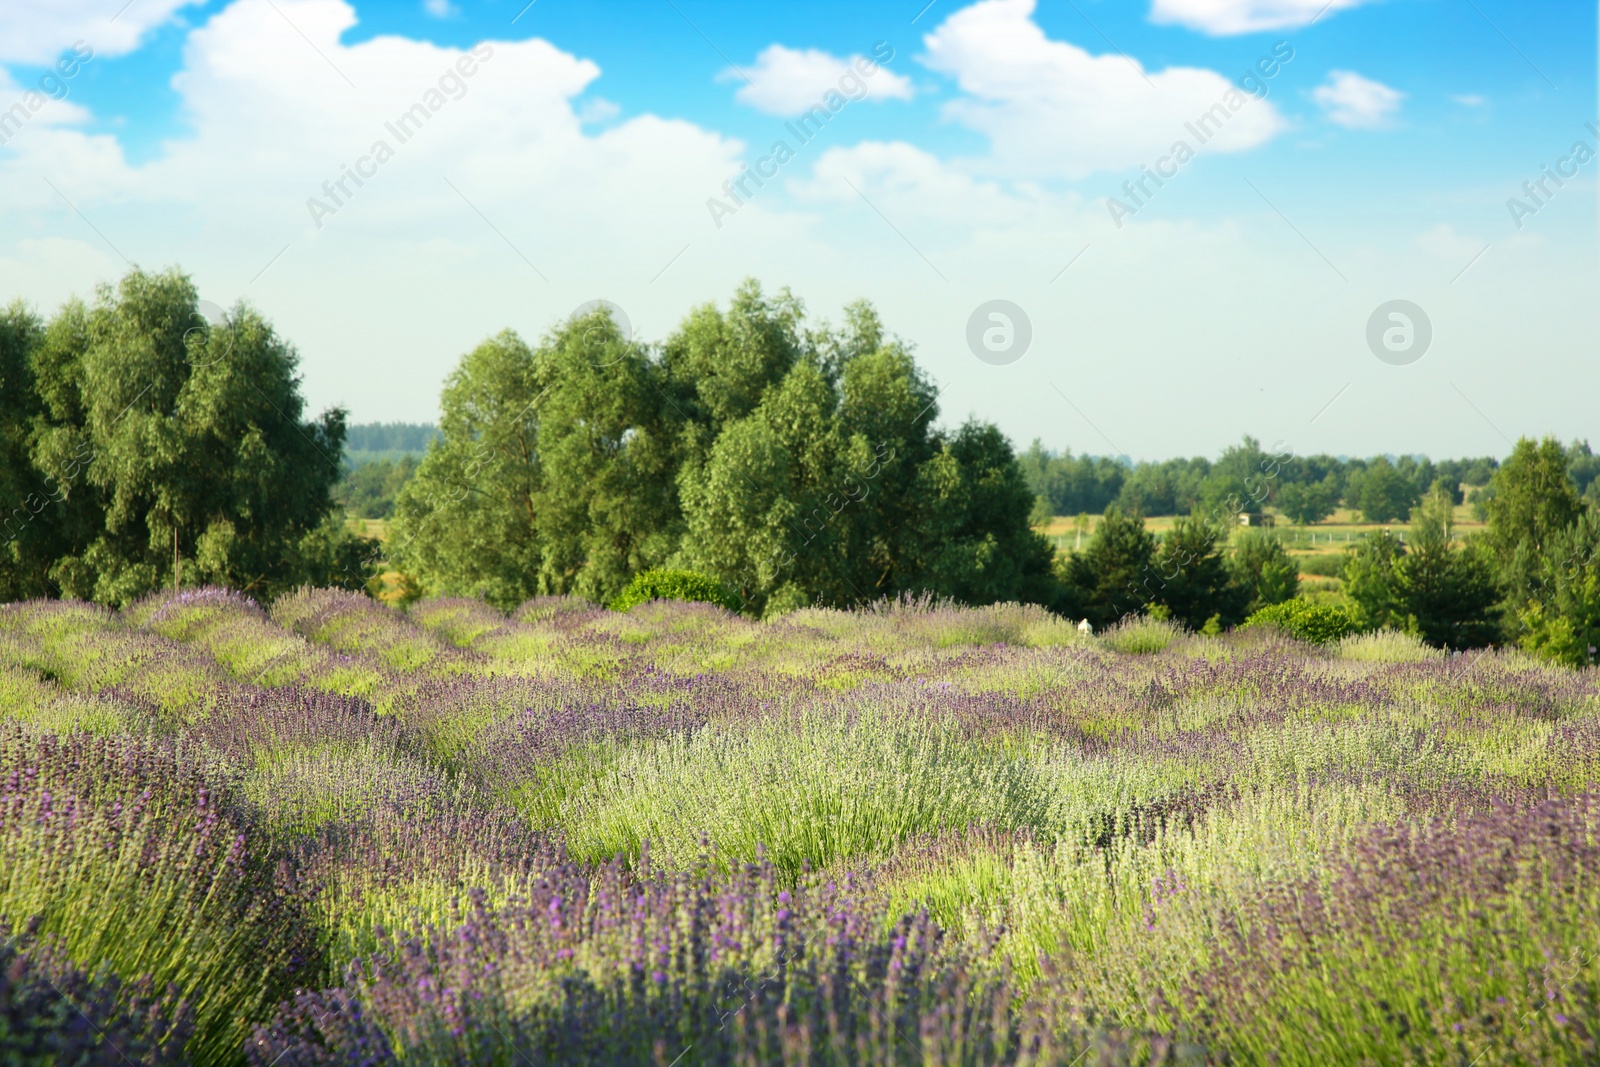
1112 577
1530 503
171 444
977 546
1307 503
1443 592
23 540
1262 572
1447 591
793 465
1370 580
466 521
1041 514
759 516
368 491
606 441
1563 622
1383 493
1192 577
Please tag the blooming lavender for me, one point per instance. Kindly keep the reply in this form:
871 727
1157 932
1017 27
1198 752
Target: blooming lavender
331 832
53 1013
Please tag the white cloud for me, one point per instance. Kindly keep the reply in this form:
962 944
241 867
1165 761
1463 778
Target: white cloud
387 295
916 183
1222 18
1356 102
788 81
39 32
1052 109
1470 100
440 9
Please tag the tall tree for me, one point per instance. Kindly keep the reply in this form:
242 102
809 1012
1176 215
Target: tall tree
976 544
1262 572
24 494
606 505
1370 579
1112 577
1193 579
1562 621
177 445
1439 590
758 513
1530 503
466 522
1305 503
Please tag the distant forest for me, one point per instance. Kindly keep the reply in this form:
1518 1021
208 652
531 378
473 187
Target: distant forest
1304 487
370 441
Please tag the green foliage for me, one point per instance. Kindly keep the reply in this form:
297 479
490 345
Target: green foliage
1305 504
1529 503
1382 492
1533 500
1262 571
1330 565
1301 619
974 543
156 441
463 523
1449 591
24 493
1077 484
368 491
1191 577
1442 591
1112 576
794 466
658 584
1561 621
1370 580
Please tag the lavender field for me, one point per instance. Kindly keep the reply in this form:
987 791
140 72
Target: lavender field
336 834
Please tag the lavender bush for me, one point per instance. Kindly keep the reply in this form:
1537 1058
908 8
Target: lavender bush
333 833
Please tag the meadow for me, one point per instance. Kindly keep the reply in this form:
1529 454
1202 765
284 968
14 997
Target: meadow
335 833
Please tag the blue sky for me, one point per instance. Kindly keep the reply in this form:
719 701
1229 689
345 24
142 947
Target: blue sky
582 157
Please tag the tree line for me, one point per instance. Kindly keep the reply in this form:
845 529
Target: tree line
1531 578
794 462
1306 489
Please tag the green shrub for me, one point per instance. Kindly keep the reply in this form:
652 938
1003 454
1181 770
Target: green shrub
673 585
1317 623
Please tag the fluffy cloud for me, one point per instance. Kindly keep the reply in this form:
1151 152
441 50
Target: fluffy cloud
410 271
1051 109
1356 102
787 81
1222 18
495 171
38 32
